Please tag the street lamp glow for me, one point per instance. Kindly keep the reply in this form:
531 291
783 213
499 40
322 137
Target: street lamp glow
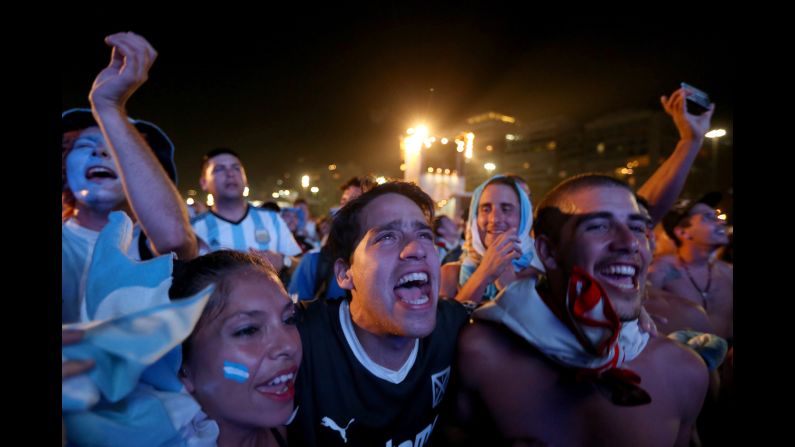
275 195
305 181
422 132
445 140
245 191
314 189
470 138
715 133
189 201
490 167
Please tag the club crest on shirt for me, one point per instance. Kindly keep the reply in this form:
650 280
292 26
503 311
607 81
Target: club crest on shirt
439 385
262 236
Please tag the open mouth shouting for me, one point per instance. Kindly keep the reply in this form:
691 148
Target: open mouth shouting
100 173
413 290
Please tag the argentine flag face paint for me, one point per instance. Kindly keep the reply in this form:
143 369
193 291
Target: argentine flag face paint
235 371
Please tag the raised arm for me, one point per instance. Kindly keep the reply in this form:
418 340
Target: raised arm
153 198
667 182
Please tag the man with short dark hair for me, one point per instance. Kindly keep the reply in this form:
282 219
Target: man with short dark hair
376 364
232 222
560 360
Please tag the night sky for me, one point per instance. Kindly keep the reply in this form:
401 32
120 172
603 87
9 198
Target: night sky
322 89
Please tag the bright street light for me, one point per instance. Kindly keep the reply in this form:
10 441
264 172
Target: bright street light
715 133
470 137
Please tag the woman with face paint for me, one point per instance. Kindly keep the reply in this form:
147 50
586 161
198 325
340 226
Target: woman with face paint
498 248
242 358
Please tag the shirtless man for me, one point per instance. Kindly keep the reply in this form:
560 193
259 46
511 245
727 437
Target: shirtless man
545 372
694 272
669 311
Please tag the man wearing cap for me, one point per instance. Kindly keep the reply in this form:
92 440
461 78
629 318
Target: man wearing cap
111 162
693 271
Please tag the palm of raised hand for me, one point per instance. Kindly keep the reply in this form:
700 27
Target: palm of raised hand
130 60
700 123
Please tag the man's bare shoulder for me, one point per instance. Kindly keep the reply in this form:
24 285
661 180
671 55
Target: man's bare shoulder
678 362
725 268
685 372
487 346
482 339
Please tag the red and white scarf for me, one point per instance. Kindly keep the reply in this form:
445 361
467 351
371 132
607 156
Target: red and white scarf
583 332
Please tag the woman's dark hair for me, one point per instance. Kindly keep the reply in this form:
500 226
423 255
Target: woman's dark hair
217 268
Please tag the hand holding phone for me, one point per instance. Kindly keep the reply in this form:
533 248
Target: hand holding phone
697 100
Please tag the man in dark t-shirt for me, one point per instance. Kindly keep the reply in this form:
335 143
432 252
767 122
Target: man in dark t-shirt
377 364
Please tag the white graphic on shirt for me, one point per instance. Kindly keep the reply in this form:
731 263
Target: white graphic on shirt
327 422
439 382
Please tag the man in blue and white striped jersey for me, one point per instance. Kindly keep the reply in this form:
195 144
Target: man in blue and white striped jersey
232 222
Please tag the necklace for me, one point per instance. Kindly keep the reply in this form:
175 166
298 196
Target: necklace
692 281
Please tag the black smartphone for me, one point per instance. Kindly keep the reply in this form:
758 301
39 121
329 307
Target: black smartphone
697 100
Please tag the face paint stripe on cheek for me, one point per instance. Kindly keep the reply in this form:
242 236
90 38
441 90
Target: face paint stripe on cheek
235 371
